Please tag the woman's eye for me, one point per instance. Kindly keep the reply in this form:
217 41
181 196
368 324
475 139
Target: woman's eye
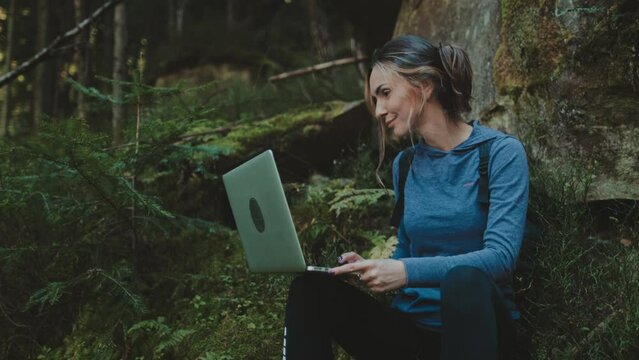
386 92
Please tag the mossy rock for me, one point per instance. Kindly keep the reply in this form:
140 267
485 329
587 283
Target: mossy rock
563 76
532 46
304 141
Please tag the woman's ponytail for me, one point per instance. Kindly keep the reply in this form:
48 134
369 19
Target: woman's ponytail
457 66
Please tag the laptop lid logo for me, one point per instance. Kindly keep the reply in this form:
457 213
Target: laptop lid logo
256 215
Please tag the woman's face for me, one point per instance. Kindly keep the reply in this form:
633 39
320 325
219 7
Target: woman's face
393 98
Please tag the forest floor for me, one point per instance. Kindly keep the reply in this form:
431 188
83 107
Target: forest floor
129 252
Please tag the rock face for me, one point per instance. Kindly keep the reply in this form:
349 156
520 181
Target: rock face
473 25
562 75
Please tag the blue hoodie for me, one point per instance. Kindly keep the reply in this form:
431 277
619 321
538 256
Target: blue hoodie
444 225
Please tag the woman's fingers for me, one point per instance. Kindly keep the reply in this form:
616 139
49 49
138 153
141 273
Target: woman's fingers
377 275
354 267
349 257
384 275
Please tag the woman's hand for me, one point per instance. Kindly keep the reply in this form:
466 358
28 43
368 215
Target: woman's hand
349 257
378 275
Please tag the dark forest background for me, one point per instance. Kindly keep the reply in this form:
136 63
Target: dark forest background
116 238
164 42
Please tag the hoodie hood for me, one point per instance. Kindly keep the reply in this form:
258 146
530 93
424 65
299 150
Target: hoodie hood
479 135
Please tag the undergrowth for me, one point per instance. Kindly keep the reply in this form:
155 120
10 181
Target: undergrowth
96 265
576 284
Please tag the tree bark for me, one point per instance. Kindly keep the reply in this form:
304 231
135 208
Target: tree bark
6 104
80 57
171 19
119 70
43 90
179 16
318 26
230 14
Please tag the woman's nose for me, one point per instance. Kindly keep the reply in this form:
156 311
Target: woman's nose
380 110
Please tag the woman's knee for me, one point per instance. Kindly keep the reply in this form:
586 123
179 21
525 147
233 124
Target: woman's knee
464 286
304 283
311 284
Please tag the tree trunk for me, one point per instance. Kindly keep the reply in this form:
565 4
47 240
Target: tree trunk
171 19
179 16
230 14
43 91
80 57
318 26
6 105
119 69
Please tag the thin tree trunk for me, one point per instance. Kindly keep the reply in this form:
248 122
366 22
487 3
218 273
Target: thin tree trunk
171 19
318 26
80 57
179 16
6 104
230 14
119 68
43 91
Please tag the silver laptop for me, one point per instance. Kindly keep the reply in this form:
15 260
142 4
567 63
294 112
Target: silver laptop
263 218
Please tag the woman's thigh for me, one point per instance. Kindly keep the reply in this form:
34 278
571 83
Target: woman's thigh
364 327
476 320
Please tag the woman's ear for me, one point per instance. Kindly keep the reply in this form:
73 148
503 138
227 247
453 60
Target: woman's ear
427 90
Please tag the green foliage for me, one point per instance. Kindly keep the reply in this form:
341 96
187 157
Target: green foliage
72 225
50 295
383 246
216 356
163 336
577 290
101 236
356 199
333 217
103 267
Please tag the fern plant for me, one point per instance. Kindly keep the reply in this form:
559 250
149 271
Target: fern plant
162 336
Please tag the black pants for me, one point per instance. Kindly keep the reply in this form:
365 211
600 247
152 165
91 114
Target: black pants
320 309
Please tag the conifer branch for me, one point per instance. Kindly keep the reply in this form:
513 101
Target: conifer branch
47 51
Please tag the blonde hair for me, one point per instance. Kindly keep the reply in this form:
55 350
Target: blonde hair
447 67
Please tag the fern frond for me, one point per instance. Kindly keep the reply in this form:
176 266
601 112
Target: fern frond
173 340
156 325
383 247
354 199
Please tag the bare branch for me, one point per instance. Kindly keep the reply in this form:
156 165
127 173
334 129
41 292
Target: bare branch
318 67
47 51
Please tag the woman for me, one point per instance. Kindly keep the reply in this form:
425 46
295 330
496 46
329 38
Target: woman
454 260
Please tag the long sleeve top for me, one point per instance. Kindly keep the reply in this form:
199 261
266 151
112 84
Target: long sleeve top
445 226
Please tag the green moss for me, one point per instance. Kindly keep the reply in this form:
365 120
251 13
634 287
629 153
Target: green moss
605 53
274 131
532 46
283 124
538 42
